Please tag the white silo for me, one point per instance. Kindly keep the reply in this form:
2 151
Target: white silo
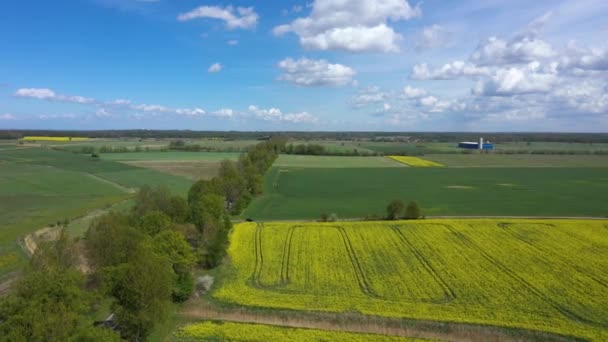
481 143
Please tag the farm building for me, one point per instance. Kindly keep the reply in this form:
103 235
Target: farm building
476 145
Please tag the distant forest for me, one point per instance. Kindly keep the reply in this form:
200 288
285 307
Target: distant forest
347 136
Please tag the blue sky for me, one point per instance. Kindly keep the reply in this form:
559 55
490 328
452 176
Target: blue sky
383 65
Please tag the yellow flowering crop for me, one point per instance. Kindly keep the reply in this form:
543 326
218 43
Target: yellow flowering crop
545 275
415 161
59 139
228 331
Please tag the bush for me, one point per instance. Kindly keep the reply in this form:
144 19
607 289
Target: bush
394 210
412 212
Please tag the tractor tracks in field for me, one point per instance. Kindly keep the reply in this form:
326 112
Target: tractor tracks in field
359 274
285 260
508 227
506 270
448 292
259 256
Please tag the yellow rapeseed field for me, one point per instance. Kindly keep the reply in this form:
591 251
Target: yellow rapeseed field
228 331
548 275
58 139
415 161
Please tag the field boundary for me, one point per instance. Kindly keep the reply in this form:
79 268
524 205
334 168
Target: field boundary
201 309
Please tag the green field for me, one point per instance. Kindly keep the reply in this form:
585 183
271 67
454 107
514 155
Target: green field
170 156
452 147
305 193
501 272
39 187
519 160
297 161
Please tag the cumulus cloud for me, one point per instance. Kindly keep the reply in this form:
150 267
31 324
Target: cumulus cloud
433 36
239 17
453 70
276 115
309 72
356 26
232 42
413 93
50 95
514 80
524 49
7 117
369 95
215 67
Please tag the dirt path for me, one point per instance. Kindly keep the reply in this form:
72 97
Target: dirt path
198 309
7 281
109 182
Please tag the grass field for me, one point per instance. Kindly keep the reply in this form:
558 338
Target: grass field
305 193
297 161
452 147
518 160
34 196
39 187
494 272
227 331
170 156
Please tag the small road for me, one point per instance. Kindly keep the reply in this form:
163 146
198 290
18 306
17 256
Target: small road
200 309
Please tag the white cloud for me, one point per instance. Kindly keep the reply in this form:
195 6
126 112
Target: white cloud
120 102
367 96
224 113
276 115
356 26
232 42
50 95
239 17
151 108
102 113
453 70
309 72
413 93
215 67
514 80
524 49
56 116
36 93
7 117
433 36
190 111
356 39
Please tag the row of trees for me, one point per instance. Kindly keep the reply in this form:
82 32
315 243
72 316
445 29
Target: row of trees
320 150
140 260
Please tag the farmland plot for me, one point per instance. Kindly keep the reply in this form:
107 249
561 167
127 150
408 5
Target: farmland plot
227 331
496 272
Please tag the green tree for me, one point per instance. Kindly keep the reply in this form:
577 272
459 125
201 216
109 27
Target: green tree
394 210
150 199
50 302
173 246
178 209
412 211
110 240
142 291
154 222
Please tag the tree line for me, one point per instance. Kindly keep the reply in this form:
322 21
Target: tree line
345 136
140 260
